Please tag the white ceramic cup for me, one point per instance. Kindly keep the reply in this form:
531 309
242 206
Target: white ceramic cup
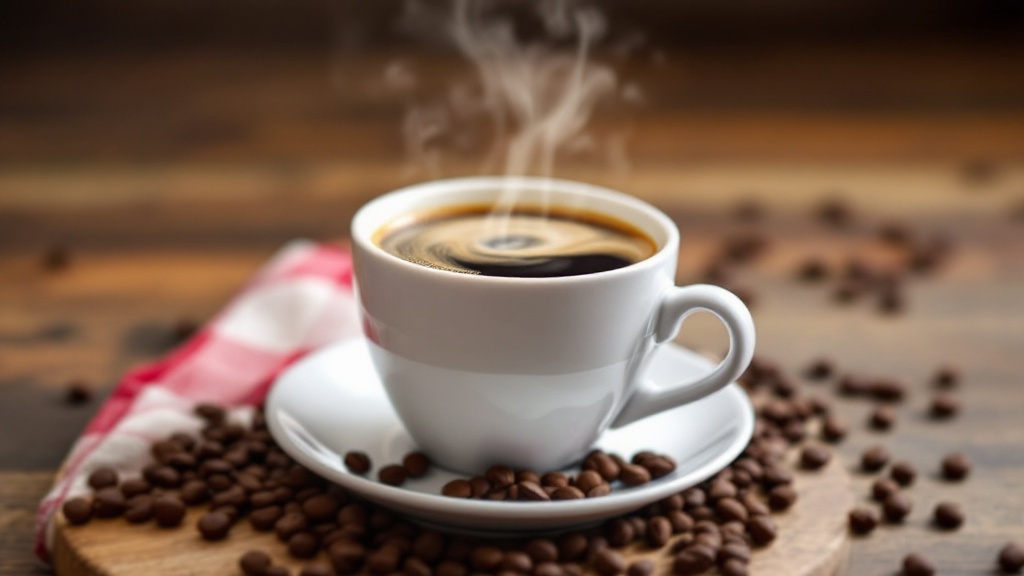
528 372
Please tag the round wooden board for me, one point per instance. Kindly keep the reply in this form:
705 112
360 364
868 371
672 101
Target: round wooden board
812 541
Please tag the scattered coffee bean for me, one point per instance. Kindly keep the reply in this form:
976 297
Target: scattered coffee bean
891 300
541 550
833 429
762 530
254 563
608 562
948 515
321 570
820 369
109 503
214 525
874 459
886 390
212 413
357 462
850 385
862 520
1011 558
168 510
956 466
814 457
748 210
135 487
140 509
392 475
733 567
896 507
643 567
812 270
416 464
947 377
781 497
303 545
634 475
882 418
277 571
944 406
695 559
903 473
102 478
77 510
882 488
78 392
917 565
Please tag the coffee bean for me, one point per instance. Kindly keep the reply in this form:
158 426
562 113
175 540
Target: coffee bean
731 509
603 464
834 212
571 546
212 413
762 530
517 561
346 556
384 560
814 457
896 507
882 488
781 497
917 565
944 406
620 532
812 270
416 464
78 392
695 559
480 486
874 458
277 571
956 466
882 418
903 473
588 479
320 570
214 525
303 545
486 558
609 563
862 520
56 257
567 493
820 369
541 550
109 503
850 385
392 475
886 390
733 567
265 518
659 466
548 569
833 429
948 515
659 530
254 563
457 488
634 475
290 524
721 489
643 567
135 487
357 462
451 568
500 476
891 300
1011 558
103 477
168 510
776 474
413 566
77 510
532 492
320 507
947 377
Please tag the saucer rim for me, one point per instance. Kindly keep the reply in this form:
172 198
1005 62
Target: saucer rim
430 503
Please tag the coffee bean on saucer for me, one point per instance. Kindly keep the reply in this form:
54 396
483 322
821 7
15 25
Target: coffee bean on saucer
948 515
168 510
882 418
77 510
458 488
357 462
500 476
214 525
634 475
917 565
392 475
254 563
603 464
947 377
659 466
814 457
103 477
416 464
956 466
567 493
944 406
1011 558
874 458
882 488
903 473
862 520
896 507
78 392
532 492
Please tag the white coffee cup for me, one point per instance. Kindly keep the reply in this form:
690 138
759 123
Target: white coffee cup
528 372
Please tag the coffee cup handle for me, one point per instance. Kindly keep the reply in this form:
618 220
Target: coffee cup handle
679 303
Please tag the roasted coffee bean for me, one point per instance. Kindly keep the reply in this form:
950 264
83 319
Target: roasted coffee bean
541 550
659 466
917 565
214 525
659 530
500 476
733 567
451 568
109 503
781 497
834 212
731 509
357 462
219 483
896 507
956 466
486 558
738 550
850 385
775 475
814 457
384 560
946 377
643 567
516 561
762 530
903 473
944 406
887 390
588 479
392 475
320 507
78 392
480 486
254 563
567 493
571 546
103 477
303 545
695 559
77 510
634 475
833 429
874 459
346 556
262 499
721 489
862 520
532 492
321 570
882 488
135 487
277 571
413 566
849 290
820 369
812 270
1011 558
548 569
948 515
620 532
168 510
554 480
599 490
882 418
56 257
608 562
265 518
212 413
233 496
458 488
416 464
290 524
604 465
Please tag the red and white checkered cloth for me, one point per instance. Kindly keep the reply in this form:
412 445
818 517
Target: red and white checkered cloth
301 300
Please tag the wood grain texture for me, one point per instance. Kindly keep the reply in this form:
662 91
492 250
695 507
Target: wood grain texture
812 541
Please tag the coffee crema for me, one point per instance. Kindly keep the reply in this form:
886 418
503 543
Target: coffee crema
525 243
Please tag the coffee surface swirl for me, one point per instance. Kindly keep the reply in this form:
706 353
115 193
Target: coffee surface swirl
520 244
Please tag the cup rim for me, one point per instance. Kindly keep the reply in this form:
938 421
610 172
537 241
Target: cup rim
362 233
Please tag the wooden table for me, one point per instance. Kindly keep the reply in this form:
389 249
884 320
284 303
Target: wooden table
171 188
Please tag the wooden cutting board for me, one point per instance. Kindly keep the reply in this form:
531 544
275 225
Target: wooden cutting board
812 541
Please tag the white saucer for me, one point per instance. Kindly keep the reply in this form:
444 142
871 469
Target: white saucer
331 402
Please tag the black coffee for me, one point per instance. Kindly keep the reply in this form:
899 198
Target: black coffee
522 244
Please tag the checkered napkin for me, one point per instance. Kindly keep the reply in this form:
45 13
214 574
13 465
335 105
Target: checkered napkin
301 300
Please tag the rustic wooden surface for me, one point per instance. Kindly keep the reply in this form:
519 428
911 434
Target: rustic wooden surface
812 541
172 177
